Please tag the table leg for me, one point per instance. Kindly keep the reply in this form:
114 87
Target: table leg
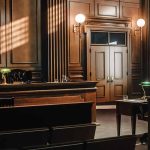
133 124
118 119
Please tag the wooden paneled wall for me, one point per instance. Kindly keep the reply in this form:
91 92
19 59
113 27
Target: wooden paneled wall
146 40
77 41
34 36
57 39
108 10
2 33
19 35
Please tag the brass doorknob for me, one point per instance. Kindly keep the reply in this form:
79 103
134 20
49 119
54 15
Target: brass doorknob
111 79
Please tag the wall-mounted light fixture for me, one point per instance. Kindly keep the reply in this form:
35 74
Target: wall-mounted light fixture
79 18
140 23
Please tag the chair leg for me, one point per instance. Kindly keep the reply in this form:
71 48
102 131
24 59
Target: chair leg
144 138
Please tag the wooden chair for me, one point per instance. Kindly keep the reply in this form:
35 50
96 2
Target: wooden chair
143 115
70 133
114 143
5 102
20 75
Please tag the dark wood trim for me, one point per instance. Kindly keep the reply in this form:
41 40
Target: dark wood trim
146 39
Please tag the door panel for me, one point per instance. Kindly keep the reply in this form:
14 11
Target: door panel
100 70
109 69
118 72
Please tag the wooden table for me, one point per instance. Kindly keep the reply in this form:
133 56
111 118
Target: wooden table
131 108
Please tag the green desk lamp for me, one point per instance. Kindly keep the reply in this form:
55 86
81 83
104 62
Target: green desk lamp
144 84
4 71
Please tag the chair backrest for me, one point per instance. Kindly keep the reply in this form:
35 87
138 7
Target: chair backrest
8 101
26 117
65 134
22 138
19 75
114 143
70 146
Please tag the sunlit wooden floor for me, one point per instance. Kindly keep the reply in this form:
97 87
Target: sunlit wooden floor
106 116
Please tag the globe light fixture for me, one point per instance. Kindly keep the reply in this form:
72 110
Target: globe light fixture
140 22
79 18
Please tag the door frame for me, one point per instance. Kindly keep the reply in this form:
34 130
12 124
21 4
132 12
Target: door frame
113 28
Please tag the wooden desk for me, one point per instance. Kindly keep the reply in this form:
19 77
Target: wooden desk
130 108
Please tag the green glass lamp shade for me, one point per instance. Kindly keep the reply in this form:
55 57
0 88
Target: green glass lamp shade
145 83
5 70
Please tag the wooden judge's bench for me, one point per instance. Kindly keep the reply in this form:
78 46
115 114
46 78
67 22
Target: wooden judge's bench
51 93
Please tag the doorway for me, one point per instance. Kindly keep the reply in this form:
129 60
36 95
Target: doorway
108 64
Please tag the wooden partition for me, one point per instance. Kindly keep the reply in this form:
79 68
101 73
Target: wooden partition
51 93
44 124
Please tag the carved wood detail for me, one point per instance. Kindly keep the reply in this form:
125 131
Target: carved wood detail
107 8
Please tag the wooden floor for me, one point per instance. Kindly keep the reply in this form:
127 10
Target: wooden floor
107 119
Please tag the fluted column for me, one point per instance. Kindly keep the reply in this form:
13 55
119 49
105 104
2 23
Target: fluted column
57 39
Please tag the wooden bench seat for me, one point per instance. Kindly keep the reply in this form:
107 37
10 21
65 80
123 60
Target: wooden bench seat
26 117
19 123
70 133
70 146
126 142
22 138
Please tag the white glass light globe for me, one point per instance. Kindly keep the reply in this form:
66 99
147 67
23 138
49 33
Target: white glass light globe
79 18
140 22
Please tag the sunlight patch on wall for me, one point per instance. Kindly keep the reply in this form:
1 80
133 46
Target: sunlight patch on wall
14 34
